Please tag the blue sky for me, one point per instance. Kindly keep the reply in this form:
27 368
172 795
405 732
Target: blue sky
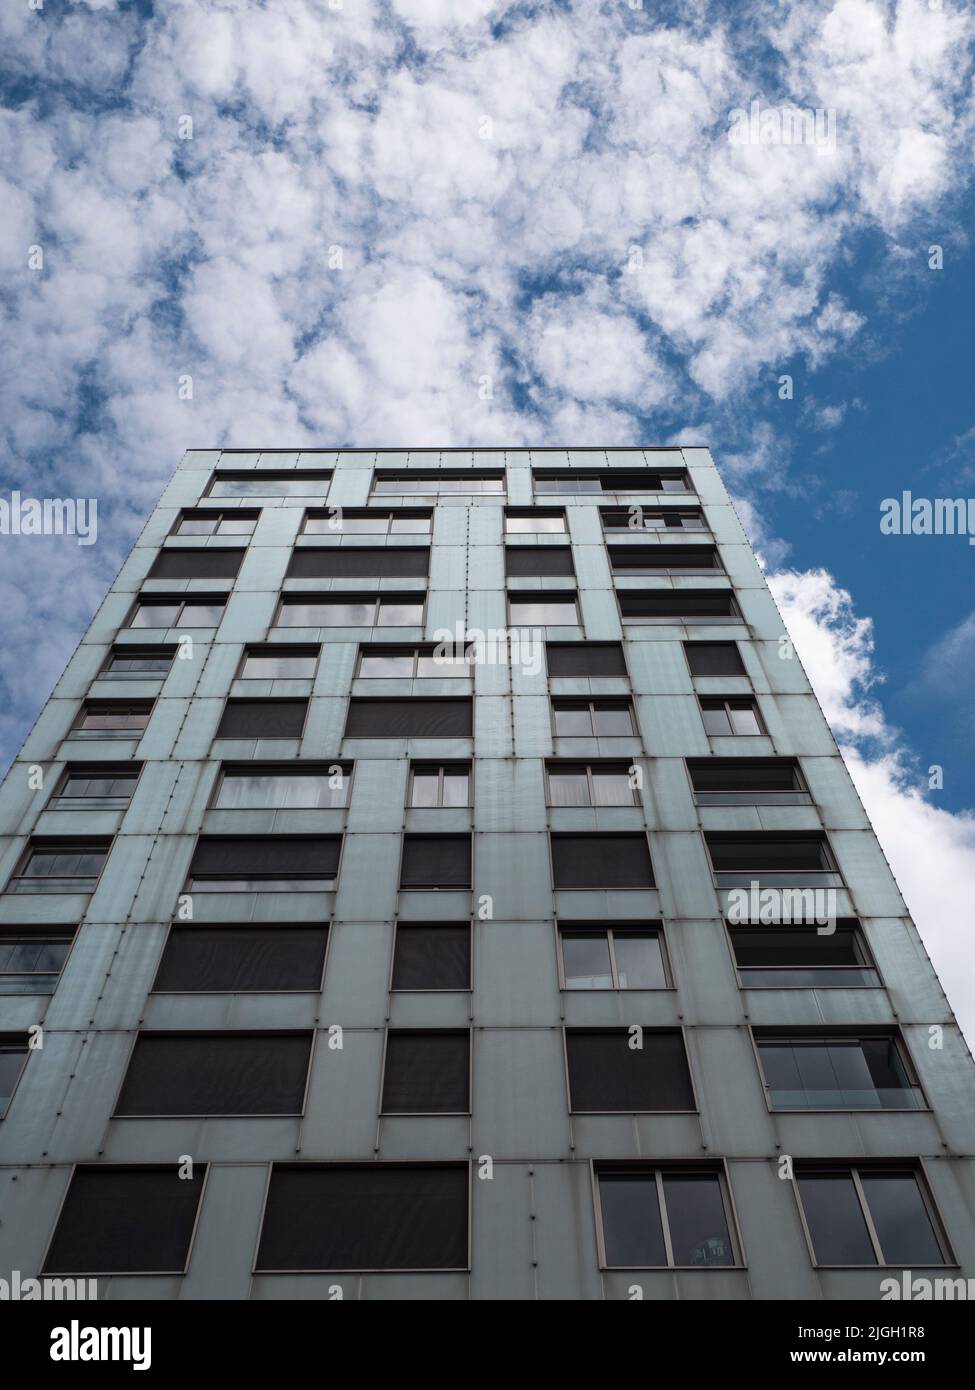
341 219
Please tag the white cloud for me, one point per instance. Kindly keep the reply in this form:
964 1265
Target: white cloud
836 650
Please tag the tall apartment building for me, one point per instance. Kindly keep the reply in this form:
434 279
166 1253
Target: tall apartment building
337 957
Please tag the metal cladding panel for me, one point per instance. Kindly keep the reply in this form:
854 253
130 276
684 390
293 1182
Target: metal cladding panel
529 998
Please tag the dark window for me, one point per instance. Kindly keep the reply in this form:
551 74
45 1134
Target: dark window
590 784
262 719
212 522
279 663
679 605
664 559
574 659
439 482
411 718
608 1074
95 787
426 1073
13 1055
270 786
527 561
714 659
744 781
367 1217
840 1072
111 717
548 480
216 1074
218 563
637 518
869 1216
436 861
60 866
728 718
358 562
136 663
31 959
368 521
439 785
126 1221
670 1217
267 863
601 861
592 718
265 483
612 958
768 853
220 960
432 956
795 957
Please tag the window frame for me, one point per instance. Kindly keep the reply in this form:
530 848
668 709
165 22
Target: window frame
361 513
218 515
609 766
581 702
757 796
95 705
527 513
621 1028
127 652
729 675
443 769
295 885
415 652
434 475
853 1168
727 702
94 769
660 1168
35 843
198 1032
662 474
42 932
651 887
117 1273
358 549
832 1033
280 649
14 1042
337 598
664 570
447 922
725 879
467 1032
850 924
654 927
183 600
233 700
242 475
538 597
249 925
260 768
733 618
605 513
568 576
402 887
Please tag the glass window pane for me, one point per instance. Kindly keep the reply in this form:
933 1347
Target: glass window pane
585 960
426 789
901 1219
339 614
376 667
611 789
400 614
410 525
744 720
455 789
155 615
716 721
835 1220
443 666
550 612
632 1230
573 721
699 1232
639 961
612 721
236 525
568 789
201 615
278 667
11 1063
196 526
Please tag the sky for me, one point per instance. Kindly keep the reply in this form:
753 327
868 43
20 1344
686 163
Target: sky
418 222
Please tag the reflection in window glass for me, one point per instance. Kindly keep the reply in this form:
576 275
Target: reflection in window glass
586 960
240 791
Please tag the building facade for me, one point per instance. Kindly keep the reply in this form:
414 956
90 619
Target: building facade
433 877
